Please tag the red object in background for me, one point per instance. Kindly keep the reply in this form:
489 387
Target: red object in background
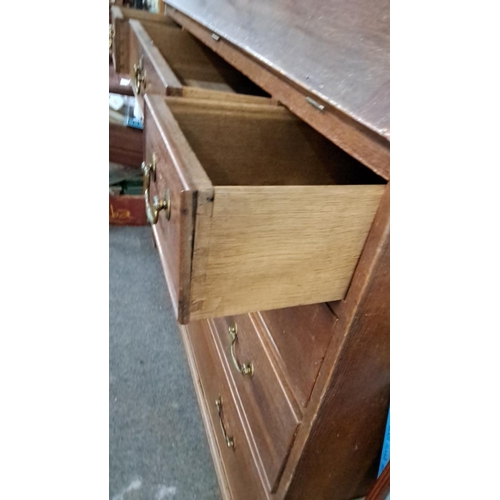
127 210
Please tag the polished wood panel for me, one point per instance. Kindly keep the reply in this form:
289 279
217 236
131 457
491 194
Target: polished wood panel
337 50
271 413
337 451
363 140
198 334
299 338
126 145
236 469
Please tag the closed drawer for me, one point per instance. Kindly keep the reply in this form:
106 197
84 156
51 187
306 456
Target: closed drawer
269 411
232 454
119 35
263 212
168 61
299 338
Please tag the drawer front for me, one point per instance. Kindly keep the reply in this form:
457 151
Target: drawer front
224 424
173 227
271 414
299 337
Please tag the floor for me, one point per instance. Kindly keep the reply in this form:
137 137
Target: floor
157 445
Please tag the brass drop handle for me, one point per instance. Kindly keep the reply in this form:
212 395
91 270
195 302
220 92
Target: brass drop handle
153 211
229 439
111 36
139 76
245 368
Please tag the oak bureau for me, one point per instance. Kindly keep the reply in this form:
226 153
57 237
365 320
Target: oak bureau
266 175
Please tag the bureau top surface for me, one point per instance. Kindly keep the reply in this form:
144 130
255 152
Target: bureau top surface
336 50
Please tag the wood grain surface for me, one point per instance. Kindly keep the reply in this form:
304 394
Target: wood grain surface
159 77
299 337
271 413
337 50
286 245
337 450
335 53
235 467
173 59
283 246
120 47
188 185
126 145
215 95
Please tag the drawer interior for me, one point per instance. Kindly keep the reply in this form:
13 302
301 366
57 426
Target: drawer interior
249 145
119 37
266 212
196 65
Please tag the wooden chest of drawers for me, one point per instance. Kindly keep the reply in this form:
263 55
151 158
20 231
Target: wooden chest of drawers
232 358
303 392
260 221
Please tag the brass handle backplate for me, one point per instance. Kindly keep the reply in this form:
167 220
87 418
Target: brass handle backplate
245 368
139 76
111 36
153 211
229 439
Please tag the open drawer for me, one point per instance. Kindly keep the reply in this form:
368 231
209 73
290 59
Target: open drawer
169 61
251 208
119 37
